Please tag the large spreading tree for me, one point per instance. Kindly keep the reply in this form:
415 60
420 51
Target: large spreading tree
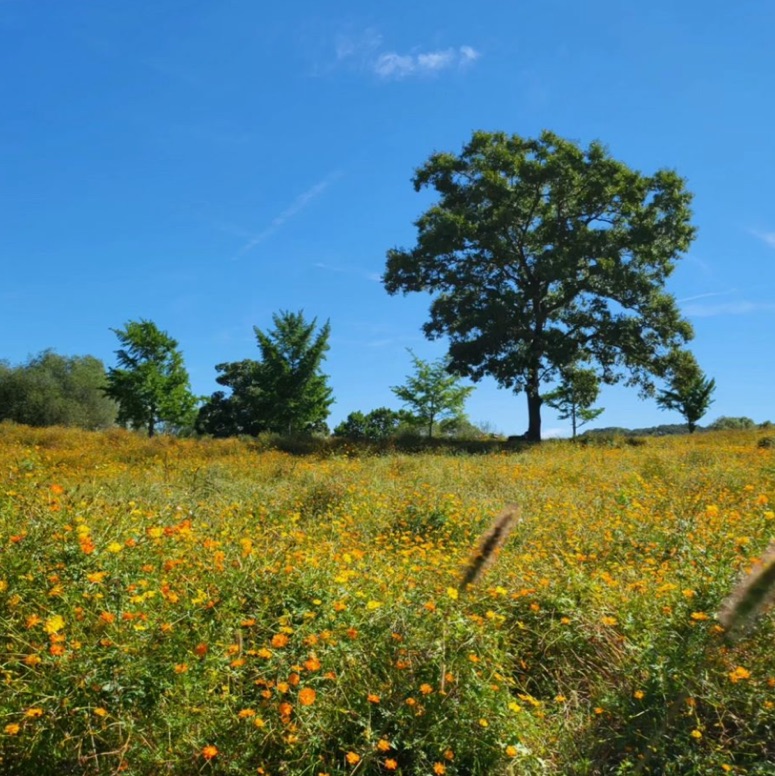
150 383
539 254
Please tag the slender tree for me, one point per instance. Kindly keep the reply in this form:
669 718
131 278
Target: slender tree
150 383
539 253
690 391
432 393
575 395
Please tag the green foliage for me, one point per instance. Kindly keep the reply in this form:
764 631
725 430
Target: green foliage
690 391
725 423
54 390
539 253
575 396
150 383
285 392
432 393
376 425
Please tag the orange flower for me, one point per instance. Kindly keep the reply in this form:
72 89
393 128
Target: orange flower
352 758
738 674
439 768
426 689
200 650
209 752
181 668
390 764
372 698
12 729
108 617
307 696
57 490
245 713
312 664
34 712
383 745
279 640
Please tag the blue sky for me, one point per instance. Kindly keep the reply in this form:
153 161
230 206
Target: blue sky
204 165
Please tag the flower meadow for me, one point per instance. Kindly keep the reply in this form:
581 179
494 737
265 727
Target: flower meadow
176 606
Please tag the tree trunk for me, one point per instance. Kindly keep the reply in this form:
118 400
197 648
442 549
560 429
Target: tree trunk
151 427
534 414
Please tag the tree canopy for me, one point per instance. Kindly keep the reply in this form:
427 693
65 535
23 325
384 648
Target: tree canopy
538 254
432 394
284 392
150 383
54 390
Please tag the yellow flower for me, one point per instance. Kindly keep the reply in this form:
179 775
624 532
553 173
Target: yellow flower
699 616
696 734
638 695
12 729
483 722
100 712
511 751
54 624
738 674
452 593
34 712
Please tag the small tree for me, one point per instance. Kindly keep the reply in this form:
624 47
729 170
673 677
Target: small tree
150 384
575 395
377 425
432 393
690 391
284 392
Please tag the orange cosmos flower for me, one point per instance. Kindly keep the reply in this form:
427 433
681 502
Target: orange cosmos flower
209 752
307 696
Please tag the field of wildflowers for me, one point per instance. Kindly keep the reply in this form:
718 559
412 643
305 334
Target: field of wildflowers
181 606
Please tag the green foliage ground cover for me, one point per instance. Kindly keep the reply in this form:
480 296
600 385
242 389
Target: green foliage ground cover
182 606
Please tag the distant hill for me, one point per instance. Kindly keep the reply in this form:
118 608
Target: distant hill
667 429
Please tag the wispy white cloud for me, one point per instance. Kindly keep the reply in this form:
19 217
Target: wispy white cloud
299 204
364 50
768 238
704 296
360 46
742 307
373 276
392 65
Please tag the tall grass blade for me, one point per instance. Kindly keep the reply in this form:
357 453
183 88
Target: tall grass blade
750 596
489 545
